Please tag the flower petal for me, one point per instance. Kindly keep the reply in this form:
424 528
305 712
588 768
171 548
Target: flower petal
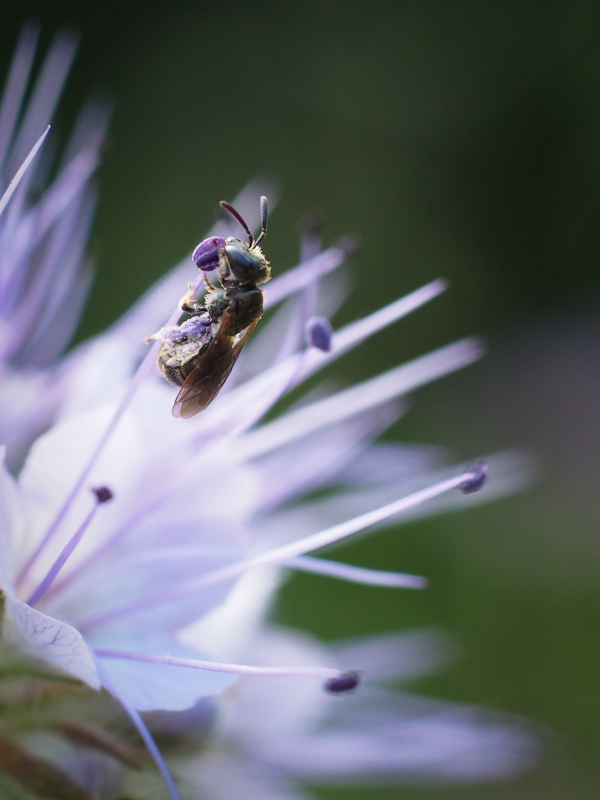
57 643
125 593
381 736
153 687
10 520
218 776
54 464
396 656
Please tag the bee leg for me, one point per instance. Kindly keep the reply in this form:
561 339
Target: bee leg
208 284
189 304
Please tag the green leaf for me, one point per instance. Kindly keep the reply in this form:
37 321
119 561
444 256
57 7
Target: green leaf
97 739
36 776
2 611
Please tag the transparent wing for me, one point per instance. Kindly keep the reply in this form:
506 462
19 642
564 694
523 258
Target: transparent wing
214 365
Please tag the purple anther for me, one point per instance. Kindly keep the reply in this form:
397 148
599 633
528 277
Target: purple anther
346 682
318 332
206 255
475 476
349 244
103 494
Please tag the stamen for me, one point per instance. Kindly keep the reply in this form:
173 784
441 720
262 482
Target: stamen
304 364
333 676
479 469
103 495
346 572
143 731
349 402
12 186
337 533
281 555
306 300
347 682
318 332
306 272
16 84
142 371
45 93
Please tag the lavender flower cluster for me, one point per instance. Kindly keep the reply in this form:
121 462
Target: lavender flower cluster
140 555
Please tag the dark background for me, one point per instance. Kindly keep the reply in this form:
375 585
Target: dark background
459 139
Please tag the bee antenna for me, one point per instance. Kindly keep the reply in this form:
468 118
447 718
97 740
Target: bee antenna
263 220
236 215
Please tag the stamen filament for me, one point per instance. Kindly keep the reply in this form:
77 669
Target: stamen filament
350 402
304 364
109 543
287 552
12 186
141 373
310 361
305 273
215 666
69 547
15 85
146 736
347 572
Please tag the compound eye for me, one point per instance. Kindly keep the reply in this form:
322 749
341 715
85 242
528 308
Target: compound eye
239 256
206 255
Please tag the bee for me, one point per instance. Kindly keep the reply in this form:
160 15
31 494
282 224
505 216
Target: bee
199 354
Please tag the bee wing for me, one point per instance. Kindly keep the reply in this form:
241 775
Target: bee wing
205 381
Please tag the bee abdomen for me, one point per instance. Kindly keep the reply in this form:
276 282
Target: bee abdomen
173 369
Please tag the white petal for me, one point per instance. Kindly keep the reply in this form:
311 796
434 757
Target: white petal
152 687
127 592
223 777
230 628
28 402
54 465
57 643
378 736
11 521
269 709
395 656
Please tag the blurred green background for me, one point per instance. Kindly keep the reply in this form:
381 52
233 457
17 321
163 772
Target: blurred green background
459 139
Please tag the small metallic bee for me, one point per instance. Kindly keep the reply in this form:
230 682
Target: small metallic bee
200 353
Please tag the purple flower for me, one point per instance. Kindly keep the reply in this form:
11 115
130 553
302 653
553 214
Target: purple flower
140 554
